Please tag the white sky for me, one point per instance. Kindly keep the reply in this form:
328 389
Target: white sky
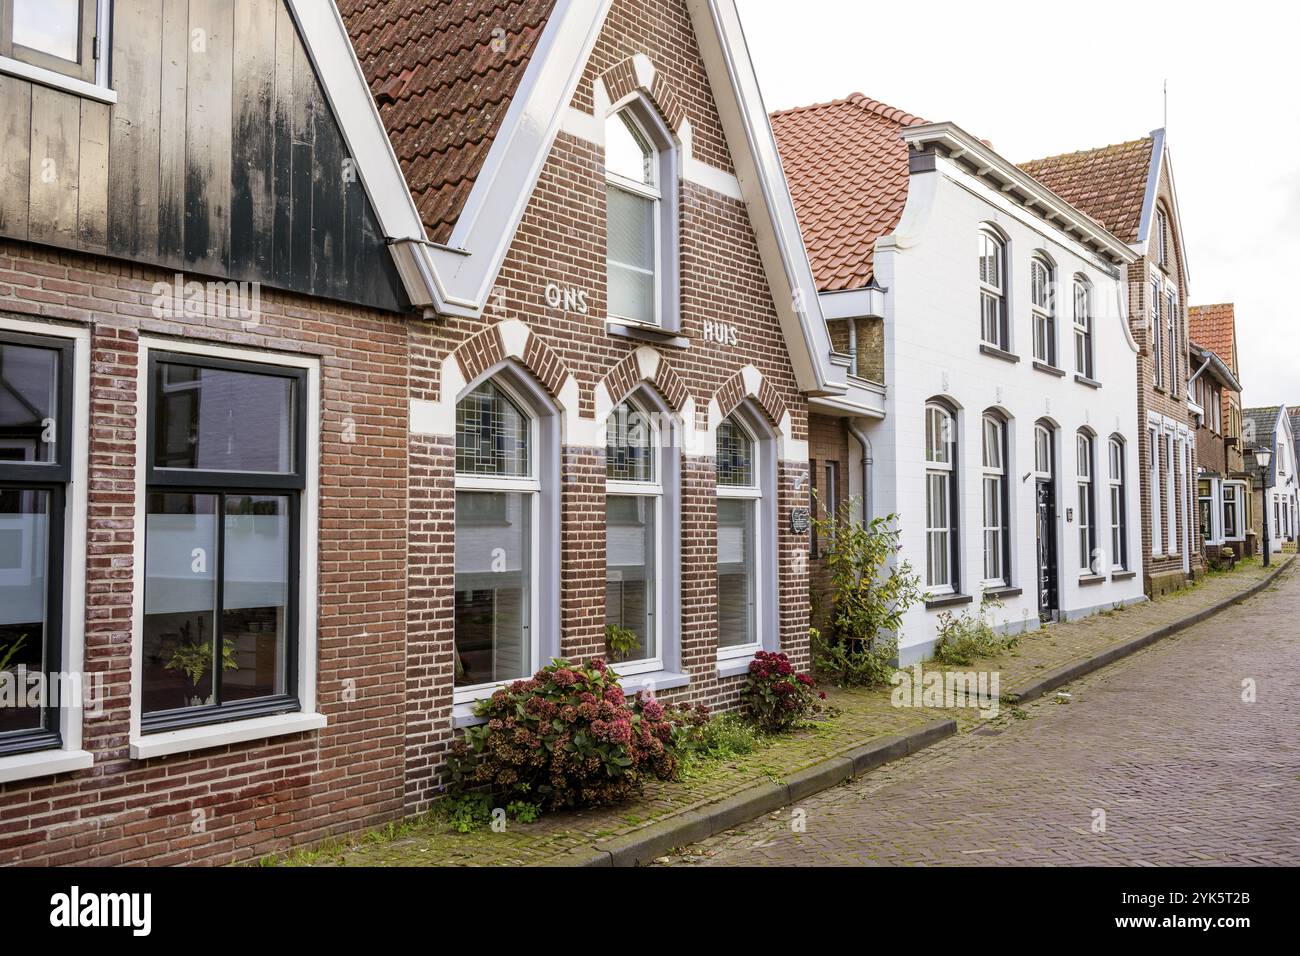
1002 70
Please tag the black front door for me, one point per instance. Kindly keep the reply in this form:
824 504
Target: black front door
1047 601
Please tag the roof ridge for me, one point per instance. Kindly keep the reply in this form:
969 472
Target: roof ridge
864 102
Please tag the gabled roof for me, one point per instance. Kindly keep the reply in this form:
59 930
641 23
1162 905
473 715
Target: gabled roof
846 163
443 75
1261 423
1109 183
1215 327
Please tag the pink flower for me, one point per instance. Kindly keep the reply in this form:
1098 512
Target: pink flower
652 709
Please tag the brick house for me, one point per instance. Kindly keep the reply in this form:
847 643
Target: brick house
1129 188
523 349
1223 482
993 314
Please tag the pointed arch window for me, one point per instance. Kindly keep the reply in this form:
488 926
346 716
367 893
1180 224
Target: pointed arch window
740 530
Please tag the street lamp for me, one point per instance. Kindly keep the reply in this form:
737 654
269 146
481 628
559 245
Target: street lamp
1263 456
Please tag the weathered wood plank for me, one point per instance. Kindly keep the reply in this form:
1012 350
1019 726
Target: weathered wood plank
175 65
303 130
92 184
133 143
207 135
252 200
286 38
329 205
15 155
54 169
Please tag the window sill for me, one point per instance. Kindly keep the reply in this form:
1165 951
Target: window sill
1084 380
646 333
462 715
653 680
1087 580
1123 575
219 735
69 84
948 600
994 352
43 763
1049 369
736 666
1003 592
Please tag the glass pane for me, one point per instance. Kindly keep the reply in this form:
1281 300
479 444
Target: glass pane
629 578
219 420
255 597
51 26
180 600
992 443
29 388
24 571
493 586
629 445
492 435
735 456
630 255
627 154
736 581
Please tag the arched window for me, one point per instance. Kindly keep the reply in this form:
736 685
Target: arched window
1043 464
740 531
993 293
641 218
498 489
1161 237
940 499
1118 507
1083 358
996 539
1087 519
1174 338
1157 330
1042 300
634 520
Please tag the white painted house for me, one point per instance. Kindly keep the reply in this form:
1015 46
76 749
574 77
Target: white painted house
1271 427
1008 448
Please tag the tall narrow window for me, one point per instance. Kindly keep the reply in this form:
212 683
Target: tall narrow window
993 298
633 530
1171 497
1174 339
740 495
1155 455
1205 508
1157 337
497 516
1043 305
1083 361
1231 510
35 468
1118 507
226 474
996 545
57 35
1087 523
940 499
1161 237
634 234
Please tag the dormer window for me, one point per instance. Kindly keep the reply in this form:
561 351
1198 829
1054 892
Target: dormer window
640 202
57 36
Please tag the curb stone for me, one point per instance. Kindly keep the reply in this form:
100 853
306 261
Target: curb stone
1070 672
644 845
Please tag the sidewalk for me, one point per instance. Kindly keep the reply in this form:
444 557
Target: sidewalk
865 716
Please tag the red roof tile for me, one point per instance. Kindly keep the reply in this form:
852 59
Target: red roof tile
443 73
1109 183
846 164
1214 327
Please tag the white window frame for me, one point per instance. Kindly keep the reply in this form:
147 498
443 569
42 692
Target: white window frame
147 746
996 474
96 89
994 292
532 487
1162 237
654 488
1043 310
946 468
1172 468
654 192
1118 503
1155 456
754 494
1084 354
1171 319
1156 324
1085 447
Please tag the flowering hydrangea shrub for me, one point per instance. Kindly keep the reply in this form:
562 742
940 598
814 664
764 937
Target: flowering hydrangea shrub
569 737
774 697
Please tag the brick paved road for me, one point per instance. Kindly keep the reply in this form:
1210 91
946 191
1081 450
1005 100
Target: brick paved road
1186 772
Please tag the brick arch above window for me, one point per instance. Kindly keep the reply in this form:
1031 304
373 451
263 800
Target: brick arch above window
638 75
644 365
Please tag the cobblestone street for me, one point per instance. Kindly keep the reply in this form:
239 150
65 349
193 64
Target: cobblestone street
1162 743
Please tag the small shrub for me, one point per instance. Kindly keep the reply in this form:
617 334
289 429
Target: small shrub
568 737
775 698
962 639
854 663
725 737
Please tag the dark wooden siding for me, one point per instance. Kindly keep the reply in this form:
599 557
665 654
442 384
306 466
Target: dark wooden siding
221 157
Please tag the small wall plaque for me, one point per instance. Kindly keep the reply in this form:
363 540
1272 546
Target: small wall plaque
800 520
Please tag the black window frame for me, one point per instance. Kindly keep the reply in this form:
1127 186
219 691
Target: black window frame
224 484
52 477
88 50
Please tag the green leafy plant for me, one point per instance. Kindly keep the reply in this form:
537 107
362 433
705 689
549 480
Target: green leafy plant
962 639
569 737
467 812
523 811
775 698
194 660
620 641
7 654
869 592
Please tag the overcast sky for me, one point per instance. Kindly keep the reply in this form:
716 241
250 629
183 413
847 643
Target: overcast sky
1049 77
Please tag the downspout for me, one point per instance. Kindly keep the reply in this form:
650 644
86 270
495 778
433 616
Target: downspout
868 510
